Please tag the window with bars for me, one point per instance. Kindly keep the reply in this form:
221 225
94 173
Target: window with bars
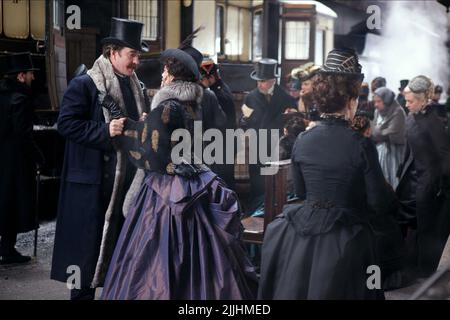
20 19
146 12
220 30
257 35
296 42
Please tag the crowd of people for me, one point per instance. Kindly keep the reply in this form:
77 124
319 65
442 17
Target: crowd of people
373 177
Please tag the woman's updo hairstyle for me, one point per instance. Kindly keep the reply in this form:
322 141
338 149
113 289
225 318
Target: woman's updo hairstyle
421 86
332 92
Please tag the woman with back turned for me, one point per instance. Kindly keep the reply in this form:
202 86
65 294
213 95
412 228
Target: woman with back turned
322 248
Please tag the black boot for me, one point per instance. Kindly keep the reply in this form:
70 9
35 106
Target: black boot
8 252
82 294
14 257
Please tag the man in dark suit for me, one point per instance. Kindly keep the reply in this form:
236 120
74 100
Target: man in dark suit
98 180
263 108
19 156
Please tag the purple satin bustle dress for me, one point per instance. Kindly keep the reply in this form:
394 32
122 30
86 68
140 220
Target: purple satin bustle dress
181 240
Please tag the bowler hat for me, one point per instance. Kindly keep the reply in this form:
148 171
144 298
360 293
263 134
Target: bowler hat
18 62
126 33
265 69
184 58
342 61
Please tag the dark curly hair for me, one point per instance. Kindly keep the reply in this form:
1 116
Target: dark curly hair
360 123
295 126
331 92
178 70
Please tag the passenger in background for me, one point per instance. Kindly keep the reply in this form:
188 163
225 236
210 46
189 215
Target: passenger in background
424 187
210 78
263 108
388 132
400 96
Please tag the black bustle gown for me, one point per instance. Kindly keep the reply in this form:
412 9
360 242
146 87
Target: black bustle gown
182 237
322 248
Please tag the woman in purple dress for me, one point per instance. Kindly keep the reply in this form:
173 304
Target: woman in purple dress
181 239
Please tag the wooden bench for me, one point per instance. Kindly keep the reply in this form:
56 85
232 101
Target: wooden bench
275 198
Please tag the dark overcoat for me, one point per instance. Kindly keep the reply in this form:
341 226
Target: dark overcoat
265 115
424 186
18 160
86 181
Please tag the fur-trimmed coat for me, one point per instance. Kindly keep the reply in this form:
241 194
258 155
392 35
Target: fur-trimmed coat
92 200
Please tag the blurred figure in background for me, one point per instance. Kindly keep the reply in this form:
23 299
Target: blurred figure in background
388 132
400 97
20 155
438 107
363 101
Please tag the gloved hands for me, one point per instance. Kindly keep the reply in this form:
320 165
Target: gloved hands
188 170
114 109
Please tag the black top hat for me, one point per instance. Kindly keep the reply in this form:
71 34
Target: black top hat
126 33
403 84
342 61
18 62
184 58
265 69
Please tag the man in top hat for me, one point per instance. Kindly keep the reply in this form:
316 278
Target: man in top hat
400 97
98 181
20 155
263 108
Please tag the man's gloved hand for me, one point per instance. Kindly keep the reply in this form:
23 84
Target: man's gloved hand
114 109
185 170
188 170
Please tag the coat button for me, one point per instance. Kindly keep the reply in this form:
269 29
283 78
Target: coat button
106 176
106 158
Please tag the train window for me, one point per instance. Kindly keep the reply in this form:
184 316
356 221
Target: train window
57 14
238 40
257 34
220 30
296 41
37 20
147 13
16 18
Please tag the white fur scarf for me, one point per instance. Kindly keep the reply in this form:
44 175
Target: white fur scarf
102 73
180 90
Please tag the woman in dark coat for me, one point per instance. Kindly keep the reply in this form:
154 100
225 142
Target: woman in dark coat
322 248
181 238
424 187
